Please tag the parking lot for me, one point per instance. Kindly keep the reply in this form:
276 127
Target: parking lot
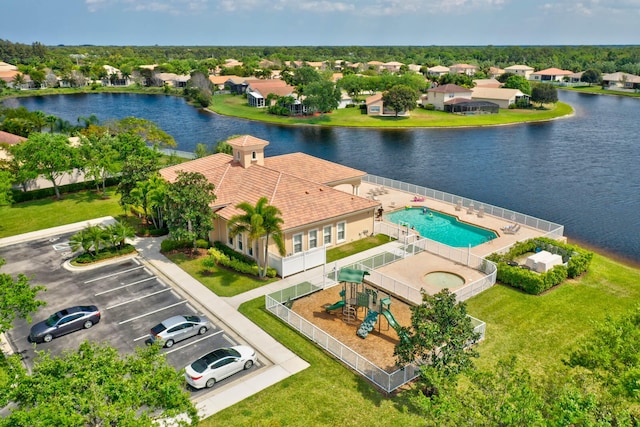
130 295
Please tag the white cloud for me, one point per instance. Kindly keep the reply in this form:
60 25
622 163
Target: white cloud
594 7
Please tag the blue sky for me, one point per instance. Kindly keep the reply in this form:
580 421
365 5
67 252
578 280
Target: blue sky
321 22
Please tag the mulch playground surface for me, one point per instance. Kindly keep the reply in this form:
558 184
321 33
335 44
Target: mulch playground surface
377 347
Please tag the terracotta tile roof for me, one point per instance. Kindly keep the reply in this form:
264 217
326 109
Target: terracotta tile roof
301 200
373 99
449 88
495 93
311 168
265 87
552 72
10 138
219 80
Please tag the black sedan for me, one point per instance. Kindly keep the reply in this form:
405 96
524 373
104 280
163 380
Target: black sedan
64 321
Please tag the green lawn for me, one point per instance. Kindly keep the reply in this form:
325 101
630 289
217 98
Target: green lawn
599 91
237 106
40 214
356 247
221 281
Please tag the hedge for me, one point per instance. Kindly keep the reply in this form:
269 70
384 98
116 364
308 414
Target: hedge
169 245
42 193
103 254
576 258
218 257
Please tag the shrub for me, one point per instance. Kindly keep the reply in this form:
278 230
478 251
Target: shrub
221 257
169 245
106 253
577 261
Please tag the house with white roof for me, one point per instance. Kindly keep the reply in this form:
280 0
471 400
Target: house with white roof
467 69
314 213
437 71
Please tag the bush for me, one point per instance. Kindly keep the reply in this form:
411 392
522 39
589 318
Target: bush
226 258
88 258
577 261
42 193
429 107
169 245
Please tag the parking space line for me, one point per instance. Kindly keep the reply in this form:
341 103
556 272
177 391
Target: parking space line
114 274
125 286
194 342
137 299
141 338
152 312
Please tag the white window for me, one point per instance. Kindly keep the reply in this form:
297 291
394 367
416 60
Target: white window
341 234
326 232
240 243
313 239
253 155
230 237
237 155
297 243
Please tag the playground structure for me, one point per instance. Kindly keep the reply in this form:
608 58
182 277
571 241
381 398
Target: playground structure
357 297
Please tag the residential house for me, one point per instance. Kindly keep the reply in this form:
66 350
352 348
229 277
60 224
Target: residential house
115 77
550 75
237 85
575 77
414 68
218 82
467 69
375 107
171 79
9 72
375 65
314 213
621 81
503 97
437 71
487 83
520 70
438 96
7 140
392 67
258 90
495 72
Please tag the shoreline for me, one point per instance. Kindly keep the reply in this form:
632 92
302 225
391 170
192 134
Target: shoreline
614 256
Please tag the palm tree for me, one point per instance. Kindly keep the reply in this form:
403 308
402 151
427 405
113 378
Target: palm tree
97 235
261 220
120 231
80 240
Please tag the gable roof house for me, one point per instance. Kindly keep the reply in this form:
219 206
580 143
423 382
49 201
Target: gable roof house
437 71
504 97
375 107
467 69
520 70
6 141
115 77
314 213
171 79
392 66
621 81
438 96
550 75
258 90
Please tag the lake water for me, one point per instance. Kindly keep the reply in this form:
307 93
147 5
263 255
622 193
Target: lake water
580 171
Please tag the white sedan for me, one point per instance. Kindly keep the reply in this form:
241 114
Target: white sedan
218 365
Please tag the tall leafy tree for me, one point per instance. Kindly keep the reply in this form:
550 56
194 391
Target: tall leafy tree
149 131
441 335
5 187
400 98
518 82
99 157
591 76
261 220
189 214
49 155
95 386
322 96
544 93
18 298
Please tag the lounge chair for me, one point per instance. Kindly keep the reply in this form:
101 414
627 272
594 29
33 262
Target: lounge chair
513 229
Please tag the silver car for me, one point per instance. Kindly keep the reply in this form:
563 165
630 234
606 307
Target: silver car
65 321
178 328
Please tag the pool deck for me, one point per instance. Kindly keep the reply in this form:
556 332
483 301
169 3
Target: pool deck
395 199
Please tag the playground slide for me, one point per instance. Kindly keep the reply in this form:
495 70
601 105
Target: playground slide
368 324
392 322
335 306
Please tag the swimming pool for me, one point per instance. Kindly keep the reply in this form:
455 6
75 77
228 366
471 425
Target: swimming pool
441 227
